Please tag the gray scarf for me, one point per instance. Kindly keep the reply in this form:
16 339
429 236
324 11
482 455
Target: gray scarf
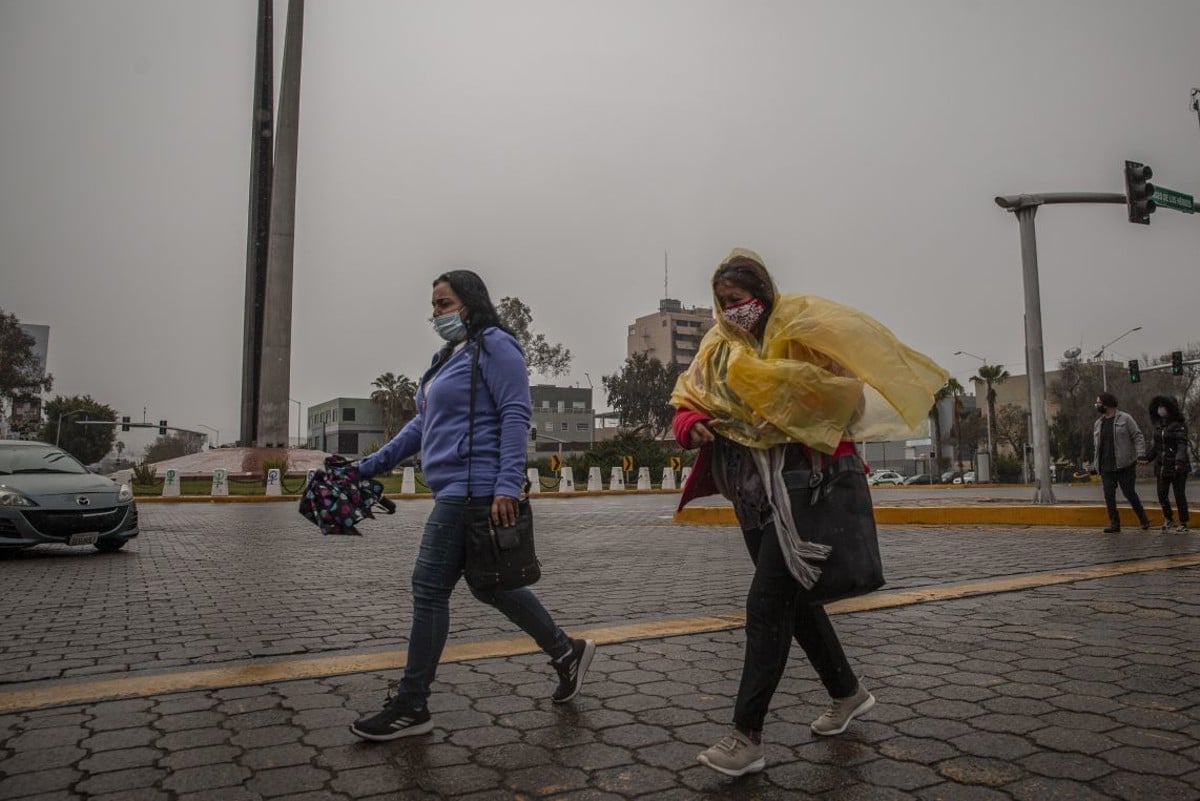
801 556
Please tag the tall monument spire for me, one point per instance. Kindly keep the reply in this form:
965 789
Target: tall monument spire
262 138
275 379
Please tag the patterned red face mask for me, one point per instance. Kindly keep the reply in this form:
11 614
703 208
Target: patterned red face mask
746 314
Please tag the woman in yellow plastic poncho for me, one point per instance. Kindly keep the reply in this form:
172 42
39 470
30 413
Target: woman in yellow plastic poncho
783 380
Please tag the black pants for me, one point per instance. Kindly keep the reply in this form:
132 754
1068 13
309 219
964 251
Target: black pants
1124 478
1178 482
775 614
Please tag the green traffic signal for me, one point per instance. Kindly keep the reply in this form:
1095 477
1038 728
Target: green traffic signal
1176 362
1135 373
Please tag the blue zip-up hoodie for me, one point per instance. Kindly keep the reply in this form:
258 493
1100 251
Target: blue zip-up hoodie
440 432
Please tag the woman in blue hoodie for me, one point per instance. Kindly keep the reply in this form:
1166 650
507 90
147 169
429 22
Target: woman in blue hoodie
463 315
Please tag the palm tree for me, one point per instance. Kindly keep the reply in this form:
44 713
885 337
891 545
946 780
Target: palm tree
395 395
990 374
955 390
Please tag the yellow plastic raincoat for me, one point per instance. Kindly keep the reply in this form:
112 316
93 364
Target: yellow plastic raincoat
824 371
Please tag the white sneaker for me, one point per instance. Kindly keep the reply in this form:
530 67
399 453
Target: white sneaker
734 755
843 710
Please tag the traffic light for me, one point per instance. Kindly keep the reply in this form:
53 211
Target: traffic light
1139 192
162 428
125 423
1176 362
1135 373
533 433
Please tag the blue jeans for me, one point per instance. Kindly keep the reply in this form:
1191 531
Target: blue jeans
438 568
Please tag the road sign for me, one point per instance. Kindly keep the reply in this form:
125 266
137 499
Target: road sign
676 462
555 463
627 464
1170 199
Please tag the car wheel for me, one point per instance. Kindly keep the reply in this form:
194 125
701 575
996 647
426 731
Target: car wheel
110 546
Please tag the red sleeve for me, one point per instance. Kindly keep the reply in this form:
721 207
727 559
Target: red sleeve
682 425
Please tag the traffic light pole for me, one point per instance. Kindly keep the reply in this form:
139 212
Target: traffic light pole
1025 207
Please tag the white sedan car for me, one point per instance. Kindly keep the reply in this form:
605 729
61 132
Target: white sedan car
884 477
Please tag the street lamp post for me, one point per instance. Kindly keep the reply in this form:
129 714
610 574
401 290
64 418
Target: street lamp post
592 416
1103 361
58 427
989 417
298 417
215 430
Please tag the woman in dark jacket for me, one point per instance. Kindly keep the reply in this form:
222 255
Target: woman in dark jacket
1169 449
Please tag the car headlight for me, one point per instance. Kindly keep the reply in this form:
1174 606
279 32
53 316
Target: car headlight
125 493
10 497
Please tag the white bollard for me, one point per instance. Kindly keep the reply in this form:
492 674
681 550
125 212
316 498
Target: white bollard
668 478
171 483
408 481
643 478
534 479
617 481
220 484
683 475
595 483
273 486
566 480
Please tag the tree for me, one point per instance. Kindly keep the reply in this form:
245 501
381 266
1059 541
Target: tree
1012 427
395 395
990 374
641 394
540 356
935 423
87 443
20 369
172 446
955 391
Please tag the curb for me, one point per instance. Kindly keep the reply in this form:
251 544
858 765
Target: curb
991 514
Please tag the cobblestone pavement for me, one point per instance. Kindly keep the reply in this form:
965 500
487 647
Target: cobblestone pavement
1073 691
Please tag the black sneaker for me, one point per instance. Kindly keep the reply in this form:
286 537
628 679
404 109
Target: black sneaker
572 670
1113 530
398 719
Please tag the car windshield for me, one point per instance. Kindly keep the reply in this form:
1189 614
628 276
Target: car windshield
16 459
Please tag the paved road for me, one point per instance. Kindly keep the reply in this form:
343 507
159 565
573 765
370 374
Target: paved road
1084 689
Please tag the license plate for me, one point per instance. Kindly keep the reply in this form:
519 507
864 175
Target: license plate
84 539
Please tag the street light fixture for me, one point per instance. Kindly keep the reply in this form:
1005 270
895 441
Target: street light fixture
1100 355
217 431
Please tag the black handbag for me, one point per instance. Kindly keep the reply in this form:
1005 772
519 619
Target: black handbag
832 506
501 557
498 557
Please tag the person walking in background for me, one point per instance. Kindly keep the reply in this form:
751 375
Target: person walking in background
1118 445
463 315
781 381
1169 452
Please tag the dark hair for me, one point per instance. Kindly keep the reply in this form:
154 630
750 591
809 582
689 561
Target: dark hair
1108 399
473 293
746 274
481 313
1173 413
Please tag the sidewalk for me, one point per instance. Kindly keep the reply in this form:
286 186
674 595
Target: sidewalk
1009 663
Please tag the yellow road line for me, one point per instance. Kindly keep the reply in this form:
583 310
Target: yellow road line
61 692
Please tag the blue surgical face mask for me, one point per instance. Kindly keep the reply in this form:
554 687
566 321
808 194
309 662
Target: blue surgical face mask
450 326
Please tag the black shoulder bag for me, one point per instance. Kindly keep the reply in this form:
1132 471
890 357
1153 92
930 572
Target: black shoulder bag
498 557
831 505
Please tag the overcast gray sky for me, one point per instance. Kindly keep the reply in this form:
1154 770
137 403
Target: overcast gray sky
559 148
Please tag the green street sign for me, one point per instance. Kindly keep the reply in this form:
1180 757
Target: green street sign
1170 199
